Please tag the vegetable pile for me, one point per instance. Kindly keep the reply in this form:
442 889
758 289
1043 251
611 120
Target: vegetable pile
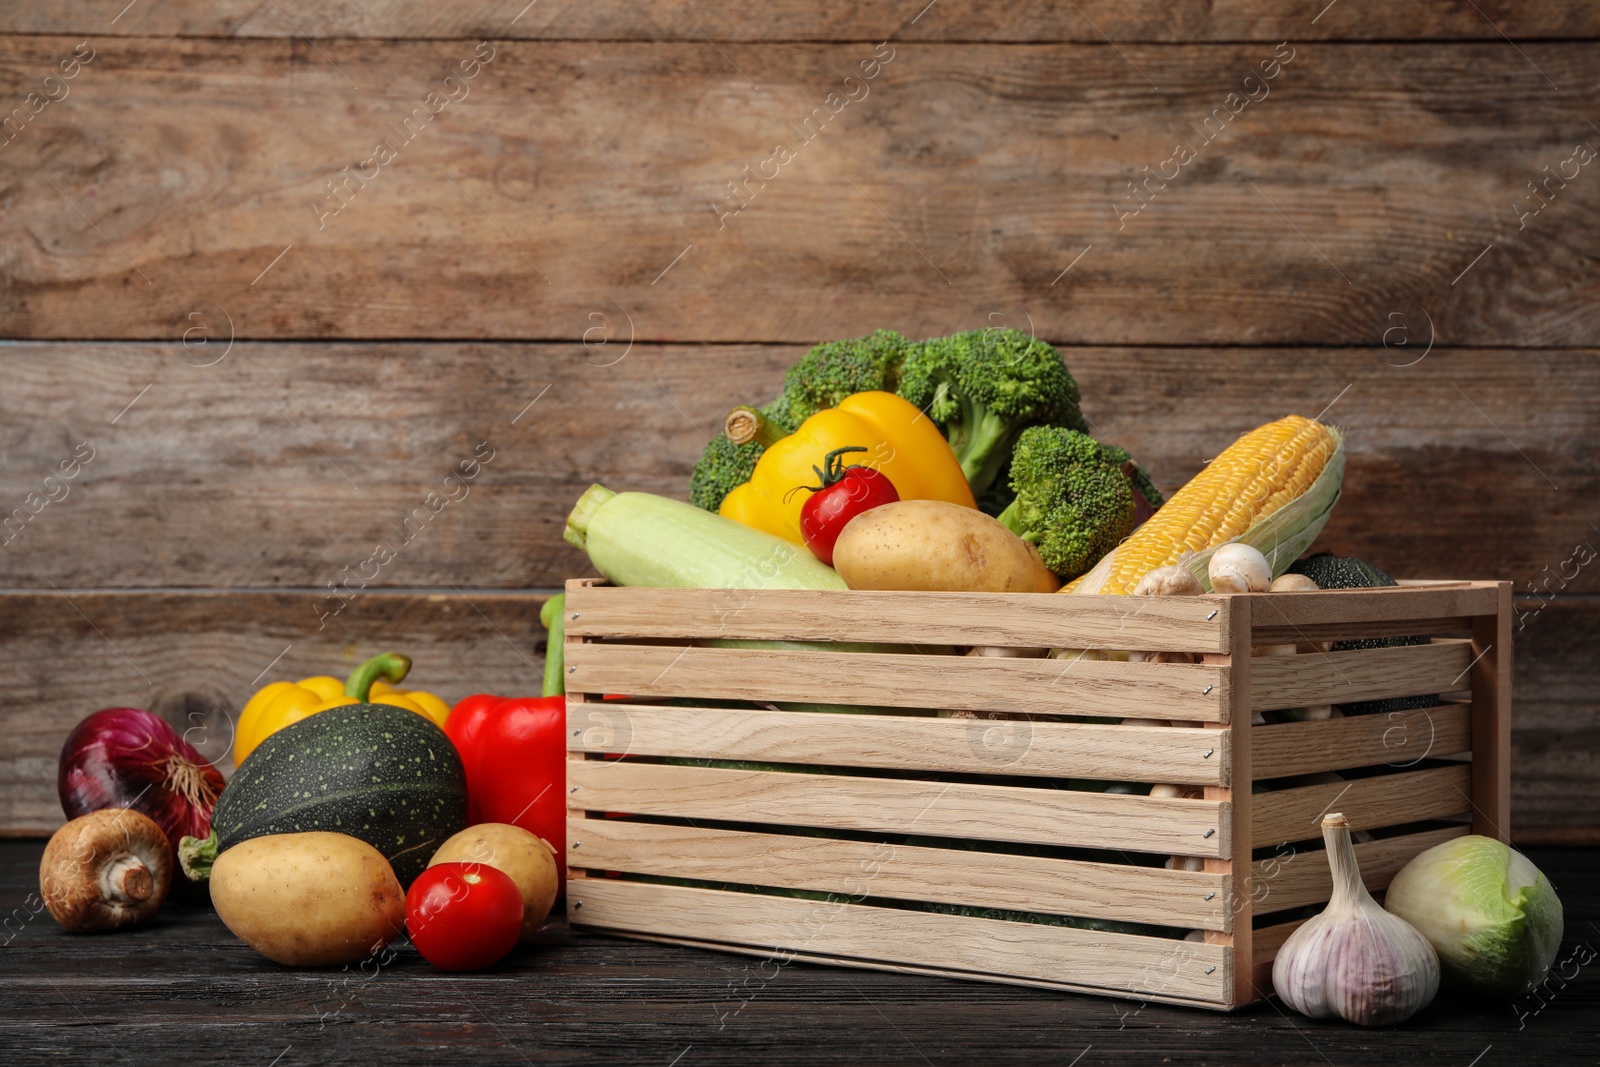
345 794
360 812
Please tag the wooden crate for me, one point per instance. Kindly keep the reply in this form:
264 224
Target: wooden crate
905 833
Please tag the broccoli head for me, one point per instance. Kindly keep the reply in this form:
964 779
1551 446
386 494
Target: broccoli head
983 388
724 465
834 370
1074 501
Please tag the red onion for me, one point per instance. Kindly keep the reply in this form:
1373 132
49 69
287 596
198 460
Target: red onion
129 758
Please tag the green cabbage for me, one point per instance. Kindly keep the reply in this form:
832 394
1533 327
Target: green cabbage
1491 915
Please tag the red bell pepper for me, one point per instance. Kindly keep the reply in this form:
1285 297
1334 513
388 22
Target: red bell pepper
515 753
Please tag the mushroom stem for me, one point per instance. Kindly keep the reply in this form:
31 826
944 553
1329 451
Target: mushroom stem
127 879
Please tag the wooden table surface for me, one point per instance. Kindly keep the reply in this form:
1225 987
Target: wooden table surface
184 990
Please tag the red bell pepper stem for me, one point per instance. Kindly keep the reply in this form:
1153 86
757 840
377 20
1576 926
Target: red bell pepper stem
392 667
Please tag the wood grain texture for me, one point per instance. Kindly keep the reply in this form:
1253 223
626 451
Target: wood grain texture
983 812
1295 880
206 481
195 658
977 683
950 20
1363 674
586 177
911 743
906 872
1396 738
1124 962
1022 620
1291 815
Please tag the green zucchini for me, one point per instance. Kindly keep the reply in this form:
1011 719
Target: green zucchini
383 774
644 539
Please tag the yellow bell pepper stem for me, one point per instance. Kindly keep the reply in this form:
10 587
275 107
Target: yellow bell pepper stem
392 667
899 441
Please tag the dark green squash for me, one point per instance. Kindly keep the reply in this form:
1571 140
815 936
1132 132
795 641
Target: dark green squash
1347 572
380 773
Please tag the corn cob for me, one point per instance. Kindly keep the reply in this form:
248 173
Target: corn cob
1272 489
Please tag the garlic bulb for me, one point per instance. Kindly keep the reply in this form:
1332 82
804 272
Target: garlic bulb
1355 960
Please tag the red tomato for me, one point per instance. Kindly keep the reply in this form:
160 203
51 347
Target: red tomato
845 492
463 916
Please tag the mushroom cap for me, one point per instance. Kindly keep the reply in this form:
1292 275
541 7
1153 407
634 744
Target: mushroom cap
106 870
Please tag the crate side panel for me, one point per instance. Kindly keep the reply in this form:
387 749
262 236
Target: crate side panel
910 806
1123 962
1033 686
1398 739
1187 899
1387 800
908 742
1279 883
1165 624
1364 674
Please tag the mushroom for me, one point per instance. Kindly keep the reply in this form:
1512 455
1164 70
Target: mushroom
1237 568
106 870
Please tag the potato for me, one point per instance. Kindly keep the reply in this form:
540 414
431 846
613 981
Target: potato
513 851
929 544
308 900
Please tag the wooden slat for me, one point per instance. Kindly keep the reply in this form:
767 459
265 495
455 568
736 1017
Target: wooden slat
226 517
1124 21
1388 800
905 872
1364 674
1294 880
911 743
1045 687
1386 612
1399 739
1157 624
558 202
1085 957
1491 720
888 805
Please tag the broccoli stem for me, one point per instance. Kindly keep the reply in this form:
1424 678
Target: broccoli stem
1011 520
745 424
983 450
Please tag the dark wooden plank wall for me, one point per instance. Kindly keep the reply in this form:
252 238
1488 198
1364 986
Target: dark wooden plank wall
255 390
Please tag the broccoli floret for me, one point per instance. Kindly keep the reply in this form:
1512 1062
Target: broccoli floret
985 387
834 370
1074 501
724 465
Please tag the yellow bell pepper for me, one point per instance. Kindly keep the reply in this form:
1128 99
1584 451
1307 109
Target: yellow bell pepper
285 703
901 443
